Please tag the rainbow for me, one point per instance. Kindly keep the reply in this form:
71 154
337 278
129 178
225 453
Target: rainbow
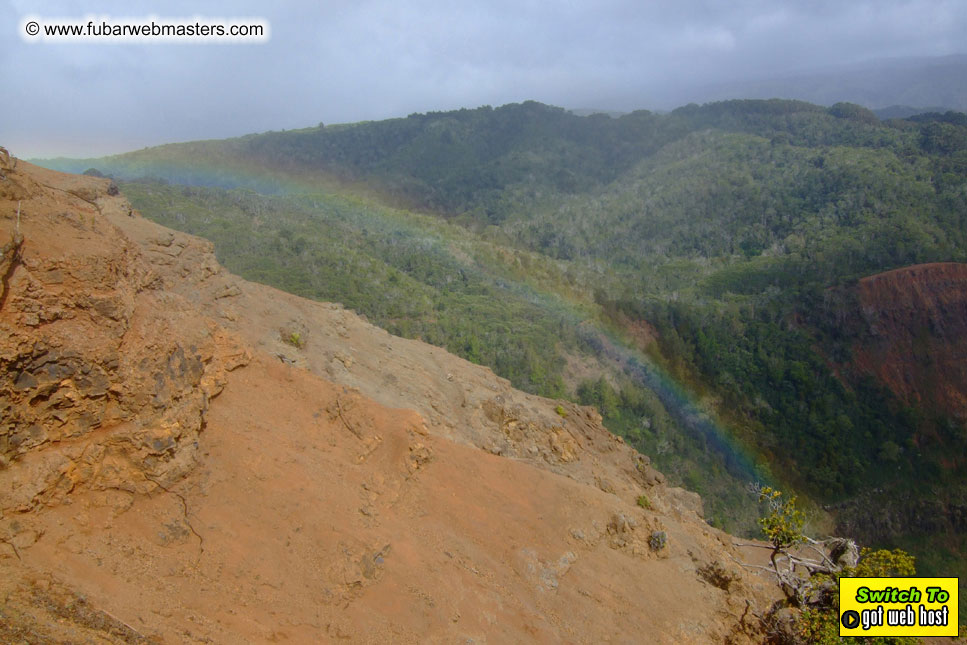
681 405
229 167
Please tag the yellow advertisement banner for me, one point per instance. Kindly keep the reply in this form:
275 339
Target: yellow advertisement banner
898 606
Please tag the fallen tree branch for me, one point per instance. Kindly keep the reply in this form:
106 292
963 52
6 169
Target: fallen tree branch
343 419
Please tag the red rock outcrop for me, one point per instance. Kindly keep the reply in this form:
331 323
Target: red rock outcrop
917 342
104 377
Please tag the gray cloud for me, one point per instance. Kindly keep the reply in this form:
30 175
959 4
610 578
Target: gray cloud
347 61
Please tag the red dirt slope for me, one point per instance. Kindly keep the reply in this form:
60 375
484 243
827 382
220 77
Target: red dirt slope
172 473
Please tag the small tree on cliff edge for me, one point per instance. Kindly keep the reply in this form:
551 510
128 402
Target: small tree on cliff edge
808 571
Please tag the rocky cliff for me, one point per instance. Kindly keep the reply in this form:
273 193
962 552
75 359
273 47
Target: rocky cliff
187 457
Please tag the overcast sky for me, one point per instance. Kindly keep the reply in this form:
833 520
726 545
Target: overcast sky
339 61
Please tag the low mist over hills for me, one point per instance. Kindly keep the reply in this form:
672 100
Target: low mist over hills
924 83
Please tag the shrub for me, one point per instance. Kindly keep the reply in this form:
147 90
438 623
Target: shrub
294 339
784 523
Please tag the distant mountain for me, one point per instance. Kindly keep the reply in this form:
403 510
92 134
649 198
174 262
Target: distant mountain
939 81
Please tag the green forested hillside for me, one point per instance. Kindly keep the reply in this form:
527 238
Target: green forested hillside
544 236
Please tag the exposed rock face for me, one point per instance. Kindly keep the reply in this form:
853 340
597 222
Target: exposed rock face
174 471
104 377
917 343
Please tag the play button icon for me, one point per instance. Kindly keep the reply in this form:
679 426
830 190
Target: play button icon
850 619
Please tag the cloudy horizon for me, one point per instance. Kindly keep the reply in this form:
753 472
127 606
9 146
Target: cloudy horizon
351 61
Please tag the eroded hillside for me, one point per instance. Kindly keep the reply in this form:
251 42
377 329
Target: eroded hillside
916 341
188 457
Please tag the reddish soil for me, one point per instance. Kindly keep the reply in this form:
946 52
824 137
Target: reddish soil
173 472
917 317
